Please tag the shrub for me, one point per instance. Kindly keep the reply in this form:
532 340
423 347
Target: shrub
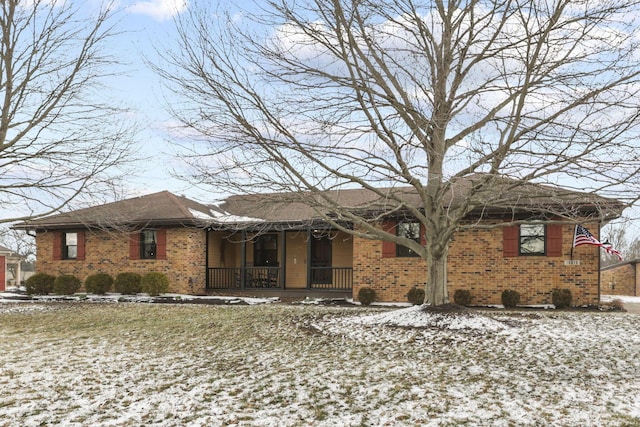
40 284
510 298
462 297
66 284
99 283
155 283
616 305
366 296
561 298
128 283
415 296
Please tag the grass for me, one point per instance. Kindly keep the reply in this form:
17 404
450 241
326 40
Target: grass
131 364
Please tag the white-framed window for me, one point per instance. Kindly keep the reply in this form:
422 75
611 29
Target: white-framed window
70 245
532 239
410 230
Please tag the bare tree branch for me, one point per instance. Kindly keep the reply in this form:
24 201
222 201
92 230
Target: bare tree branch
59 132
309 96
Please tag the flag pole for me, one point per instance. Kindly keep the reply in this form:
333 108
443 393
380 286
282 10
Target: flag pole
573 244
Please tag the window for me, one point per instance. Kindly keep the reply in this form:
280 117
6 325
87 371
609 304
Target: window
148 244
265 250
532 239
69 245
410 230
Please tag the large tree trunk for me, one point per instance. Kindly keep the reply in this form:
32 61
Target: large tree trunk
436 291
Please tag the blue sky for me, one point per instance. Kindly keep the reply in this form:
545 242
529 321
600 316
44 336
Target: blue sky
146 25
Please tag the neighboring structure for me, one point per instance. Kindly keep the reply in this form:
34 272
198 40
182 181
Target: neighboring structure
272 245
621 279
9 268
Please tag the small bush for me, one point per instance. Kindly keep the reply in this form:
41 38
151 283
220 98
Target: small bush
99 283
366 296
561 298
40 284
616 305
416 296
510 298
462 297
66 284
128 283
155 283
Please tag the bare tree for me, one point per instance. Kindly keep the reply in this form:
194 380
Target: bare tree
19 241
311 95
59 132
620 235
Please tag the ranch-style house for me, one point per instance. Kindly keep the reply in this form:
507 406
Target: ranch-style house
272 245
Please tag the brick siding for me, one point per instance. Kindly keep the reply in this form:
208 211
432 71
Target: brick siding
108 252
476 263
620 280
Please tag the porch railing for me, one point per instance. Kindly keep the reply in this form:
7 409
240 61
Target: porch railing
322 278
333 278
254 277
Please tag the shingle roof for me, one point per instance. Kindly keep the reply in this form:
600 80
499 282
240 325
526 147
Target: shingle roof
153 209
504 196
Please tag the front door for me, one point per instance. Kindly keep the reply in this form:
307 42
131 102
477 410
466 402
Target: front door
321 260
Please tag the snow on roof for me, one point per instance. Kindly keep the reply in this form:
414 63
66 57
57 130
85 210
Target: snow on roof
200 215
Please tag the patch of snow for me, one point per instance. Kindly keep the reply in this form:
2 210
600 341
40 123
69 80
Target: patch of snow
22 307
116 297
223 217
623 298
418 317
200 215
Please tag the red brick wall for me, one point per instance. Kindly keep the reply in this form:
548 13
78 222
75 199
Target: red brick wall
620 280
476 263
108 252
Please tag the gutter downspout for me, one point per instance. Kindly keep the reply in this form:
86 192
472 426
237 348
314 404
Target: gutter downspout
599 262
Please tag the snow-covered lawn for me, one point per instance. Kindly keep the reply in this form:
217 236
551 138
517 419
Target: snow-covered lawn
122 364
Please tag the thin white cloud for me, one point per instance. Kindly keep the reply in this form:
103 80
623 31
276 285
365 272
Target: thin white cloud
32 3
160 10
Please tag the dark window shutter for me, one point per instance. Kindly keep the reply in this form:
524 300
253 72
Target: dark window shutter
510 241
389 248
161 248
134 246
81 245
554 240
57 245
423 238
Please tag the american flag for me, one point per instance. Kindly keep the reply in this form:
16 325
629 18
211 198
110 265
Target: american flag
582 236
609 248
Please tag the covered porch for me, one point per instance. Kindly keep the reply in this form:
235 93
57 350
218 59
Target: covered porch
296 261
